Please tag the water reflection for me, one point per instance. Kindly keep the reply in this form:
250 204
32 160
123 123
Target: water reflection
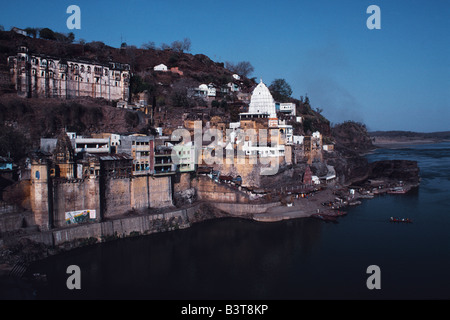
225 258
296 259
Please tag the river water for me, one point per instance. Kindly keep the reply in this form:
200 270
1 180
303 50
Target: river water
295 259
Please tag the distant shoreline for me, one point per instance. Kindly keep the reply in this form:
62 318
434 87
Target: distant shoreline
396 139
405 142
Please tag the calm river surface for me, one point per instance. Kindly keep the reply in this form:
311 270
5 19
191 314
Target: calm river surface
296 259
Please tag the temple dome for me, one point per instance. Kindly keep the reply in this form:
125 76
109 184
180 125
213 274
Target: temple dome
262 101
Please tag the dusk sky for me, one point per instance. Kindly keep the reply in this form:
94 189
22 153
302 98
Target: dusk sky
394 78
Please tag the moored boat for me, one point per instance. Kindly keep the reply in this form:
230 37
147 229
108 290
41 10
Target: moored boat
406 220
397 190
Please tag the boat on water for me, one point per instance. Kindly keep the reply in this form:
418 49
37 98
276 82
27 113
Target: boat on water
397 190
406 220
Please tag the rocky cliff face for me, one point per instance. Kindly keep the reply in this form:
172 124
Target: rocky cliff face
350 168
395 170
352 140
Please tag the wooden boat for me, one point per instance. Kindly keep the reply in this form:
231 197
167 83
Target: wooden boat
405 220
397 190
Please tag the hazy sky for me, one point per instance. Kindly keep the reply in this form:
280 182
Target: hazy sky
395 78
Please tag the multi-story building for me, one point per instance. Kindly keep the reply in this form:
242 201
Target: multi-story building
163 161
186 157
287 108
39 75
141 148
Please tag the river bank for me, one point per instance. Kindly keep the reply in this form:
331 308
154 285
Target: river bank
325 202
403 142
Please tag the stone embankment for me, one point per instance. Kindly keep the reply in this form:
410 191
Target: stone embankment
325 203
41 244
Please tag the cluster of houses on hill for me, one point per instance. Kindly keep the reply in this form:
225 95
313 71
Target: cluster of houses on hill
80 156
42 75
264 130
107 174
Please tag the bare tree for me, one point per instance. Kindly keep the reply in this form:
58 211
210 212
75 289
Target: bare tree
181 46
148 45
164 46
186 44
243 68
177 46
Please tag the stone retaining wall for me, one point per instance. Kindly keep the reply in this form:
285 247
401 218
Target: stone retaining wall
118 228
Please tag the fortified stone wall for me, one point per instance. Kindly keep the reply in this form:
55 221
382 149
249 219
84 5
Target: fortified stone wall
15 221
150 192
74 195
111 197
39 194
208 190
183 192
118 228
160 192
117 197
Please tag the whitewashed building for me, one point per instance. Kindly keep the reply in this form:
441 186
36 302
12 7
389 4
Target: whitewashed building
261 103
287 108
160 67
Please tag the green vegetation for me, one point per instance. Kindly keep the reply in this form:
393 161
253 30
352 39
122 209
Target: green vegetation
281 90
48 34
137 84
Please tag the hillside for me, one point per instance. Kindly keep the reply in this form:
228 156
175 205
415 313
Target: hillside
167 93
24 121
352 137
